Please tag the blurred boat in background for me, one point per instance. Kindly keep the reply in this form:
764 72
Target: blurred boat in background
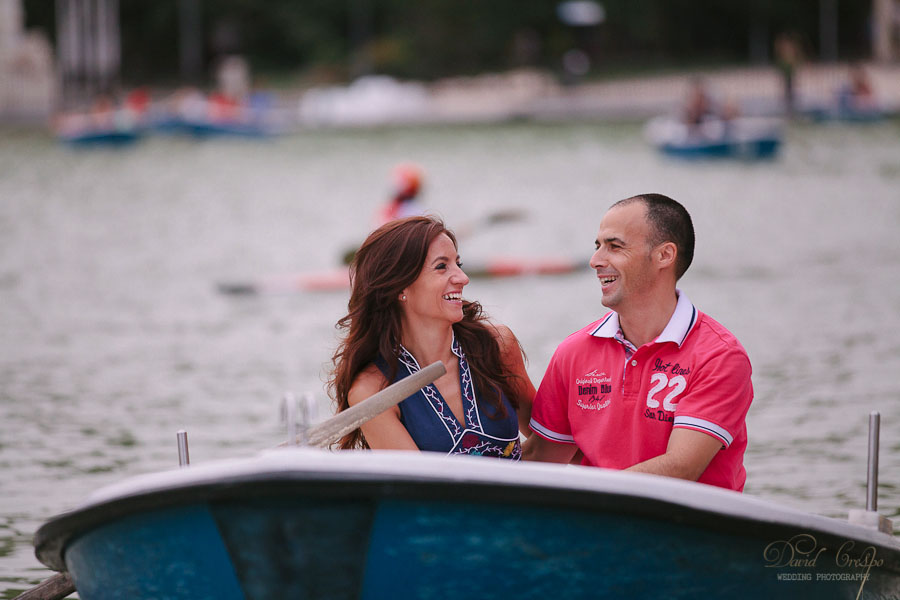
103 124
189 112
740 137
97 137
186 112
855 101
845 110
339 278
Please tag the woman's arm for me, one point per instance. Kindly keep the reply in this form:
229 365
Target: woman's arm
511 354
385 431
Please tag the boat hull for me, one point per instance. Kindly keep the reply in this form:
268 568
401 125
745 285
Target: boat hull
104 138
761 148
398 532
743 138
205 128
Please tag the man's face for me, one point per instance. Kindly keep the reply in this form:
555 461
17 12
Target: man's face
623 259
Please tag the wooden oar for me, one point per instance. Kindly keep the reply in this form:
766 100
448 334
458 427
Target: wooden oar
506 215
326 433
321 436
310 281
55 588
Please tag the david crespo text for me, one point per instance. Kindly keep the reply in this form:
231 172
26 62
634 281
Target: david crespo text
802 558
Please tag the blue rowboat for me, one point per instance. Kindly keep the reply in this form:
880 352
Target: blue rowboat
845 113
207 128
302 523
746 138
101 137
204 128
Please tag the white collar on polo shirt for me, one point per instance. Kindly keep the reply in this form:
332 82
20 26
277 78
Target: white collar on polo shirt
679 326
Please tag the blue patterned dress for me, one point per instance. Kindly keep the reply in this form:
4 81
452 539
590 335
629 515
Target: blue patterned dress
434 427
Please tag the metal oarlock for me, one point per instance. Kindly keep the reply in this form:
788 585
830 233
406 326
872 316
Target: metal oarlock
297 417
872 477
870 517
305 416
290 415
184 458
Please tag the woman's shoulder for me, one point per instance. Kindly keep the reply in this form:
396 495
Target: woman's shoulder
504 336
370 381
506 340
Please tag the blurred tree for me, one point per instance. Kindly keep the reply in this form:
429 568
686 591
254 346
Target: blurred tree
435 38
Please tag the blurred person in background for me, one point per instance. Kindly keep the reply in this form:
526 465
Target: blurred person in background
698 105
406 184
857 94
407 310
788 56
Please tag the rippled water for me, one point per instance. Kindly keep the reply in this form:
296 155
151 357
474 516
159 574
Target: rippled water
112 335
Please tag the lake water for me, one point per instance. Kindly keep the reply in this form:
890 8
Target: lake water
113 336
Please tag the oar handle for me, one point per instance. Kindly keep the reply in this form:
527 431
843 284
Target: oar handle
326 433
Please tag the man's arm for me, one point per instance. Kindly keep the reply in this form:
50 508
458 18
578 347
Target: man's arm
687 455
542 449
718 399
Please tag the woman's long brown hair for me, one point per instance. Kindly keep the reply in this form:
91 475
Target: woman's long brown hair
390 260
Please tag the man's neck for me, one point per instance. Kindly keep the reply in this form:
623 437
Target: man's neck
644 323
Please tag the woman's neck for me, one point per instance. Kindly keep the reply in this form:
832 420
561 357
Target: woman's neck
429 344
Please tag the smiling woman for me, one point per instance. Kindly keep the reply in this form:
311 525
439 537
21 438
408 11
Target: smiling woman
406 309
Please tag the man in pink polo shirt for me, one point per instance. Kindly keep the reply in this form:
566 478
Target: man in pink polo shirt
655 385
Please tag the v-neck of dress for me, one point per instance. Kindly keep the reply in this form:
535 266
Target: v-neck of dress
471 416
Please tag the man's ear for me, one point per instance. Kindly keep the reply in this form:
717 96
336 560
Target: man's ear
666 254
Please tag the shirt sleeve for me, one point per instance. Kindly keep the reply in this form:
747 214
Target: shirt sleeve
719 397
549 413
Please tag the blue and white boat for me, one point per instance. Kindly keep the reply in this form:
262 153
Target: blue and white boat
304 523
101 137
741 137
202 128
845 112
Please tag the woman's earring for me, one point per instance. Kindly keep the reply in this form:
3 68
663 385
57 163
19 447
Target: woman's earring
403 297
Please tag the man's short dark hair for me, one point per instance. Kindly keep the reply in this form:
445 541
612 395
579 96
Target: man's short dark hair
669 222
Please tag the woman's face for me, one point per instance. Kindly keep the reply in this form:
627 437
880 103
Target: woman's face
436 294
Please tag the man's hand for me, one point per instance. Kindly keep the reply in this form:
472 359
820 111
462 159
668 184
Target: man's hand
542 449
